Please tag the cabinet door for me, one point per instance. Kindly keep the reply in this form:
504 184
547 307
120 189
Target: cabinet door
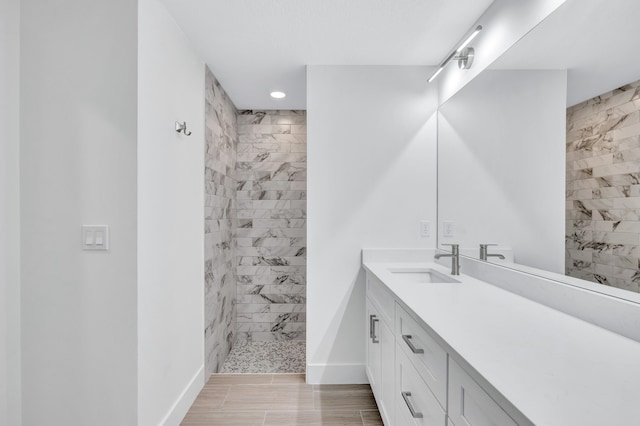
381 298
387 373
373 348
470 405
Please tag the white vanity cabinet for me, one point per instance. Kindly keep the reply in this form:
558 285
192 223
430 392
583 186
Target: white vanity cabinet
414 380
381 350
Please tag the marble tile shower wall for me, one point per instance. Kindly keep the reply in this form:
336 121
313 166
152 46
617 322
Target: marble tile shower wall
603 189
271 234
221 141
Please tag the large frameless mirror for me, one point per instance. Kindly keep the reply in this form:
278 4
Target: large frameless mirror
540 154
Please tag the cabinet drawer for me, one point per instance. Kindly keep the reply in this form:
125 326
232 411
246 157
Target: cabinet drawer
382 298
470 405
428 357
412 394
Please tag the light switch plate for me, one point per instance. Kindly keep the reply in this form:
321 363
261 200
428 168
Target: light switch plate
95 237
425 228
448 229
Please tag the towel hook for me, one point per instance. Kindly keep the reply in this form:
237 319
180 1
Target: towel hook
182 127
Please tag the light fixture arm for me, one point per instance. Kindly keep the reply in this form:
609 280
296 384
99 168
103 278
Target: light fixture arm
465 59
463 54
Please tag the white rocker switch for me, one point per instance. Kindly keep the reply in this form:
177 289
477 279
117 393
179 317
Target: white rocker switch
88 238
95 237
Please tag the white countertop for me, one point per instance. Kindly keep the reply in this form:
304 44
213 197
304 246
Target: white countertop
554 368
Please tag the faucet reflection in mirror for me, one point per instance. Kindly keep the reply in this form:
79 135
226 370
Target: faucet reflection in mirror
485 255
603 189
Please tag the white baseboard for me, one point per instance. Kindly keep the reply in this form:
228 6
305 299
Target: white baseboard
336 374
186 398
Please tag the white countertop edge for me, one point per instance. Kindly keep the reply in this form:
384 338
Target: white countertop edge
426 254
604 290
398 255
620 315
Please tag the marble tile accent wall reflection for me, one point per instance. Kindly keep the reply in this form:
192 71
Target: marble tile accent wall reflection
271 234
603 189
221 142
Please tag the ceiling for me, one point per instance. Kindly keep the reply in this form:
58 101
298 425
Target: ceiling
258 46
597 41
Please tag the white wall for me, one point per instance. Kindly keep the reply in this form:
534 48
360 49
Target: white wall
170 219
78 129
9 214
371 179
501 151
504 23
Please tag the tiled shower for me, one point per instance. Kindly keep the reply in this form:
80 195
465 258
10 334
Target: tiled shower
603 189
271 174
255 231
221 143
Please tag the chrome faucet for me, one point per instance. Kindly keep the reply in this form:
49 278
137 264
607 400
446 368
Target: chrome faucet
484 255
455 258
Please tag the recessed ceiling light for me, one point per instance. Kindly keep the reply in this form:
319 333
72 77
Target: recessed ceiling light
278 95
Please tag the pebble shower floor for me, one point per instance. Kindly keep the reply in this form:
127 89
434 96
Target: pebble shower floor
266 357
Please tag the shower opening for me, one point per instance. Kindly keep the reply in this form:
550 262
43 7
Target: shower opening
255 237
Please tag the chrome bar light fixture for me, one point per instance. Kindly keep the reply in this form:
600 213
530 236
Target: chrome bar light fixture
463 54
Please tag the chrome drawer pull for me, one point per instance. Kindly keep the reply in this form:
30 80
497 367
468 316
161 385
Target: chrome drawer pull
407 340
371 317
414 413
374 338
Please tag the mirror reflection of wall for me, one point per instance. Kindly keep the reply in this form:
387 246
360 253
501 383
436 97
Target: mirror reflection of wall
603 188
503 160
500 158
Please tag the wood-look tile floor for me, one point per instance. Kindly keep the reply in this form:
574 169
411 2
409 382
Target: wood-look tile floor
280 400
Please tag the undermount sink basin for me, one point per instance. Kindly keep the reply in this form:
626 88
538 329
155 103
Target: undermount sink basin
421 275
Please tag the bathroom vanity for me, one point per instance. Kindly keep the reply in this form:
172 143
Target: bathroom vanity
456 350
